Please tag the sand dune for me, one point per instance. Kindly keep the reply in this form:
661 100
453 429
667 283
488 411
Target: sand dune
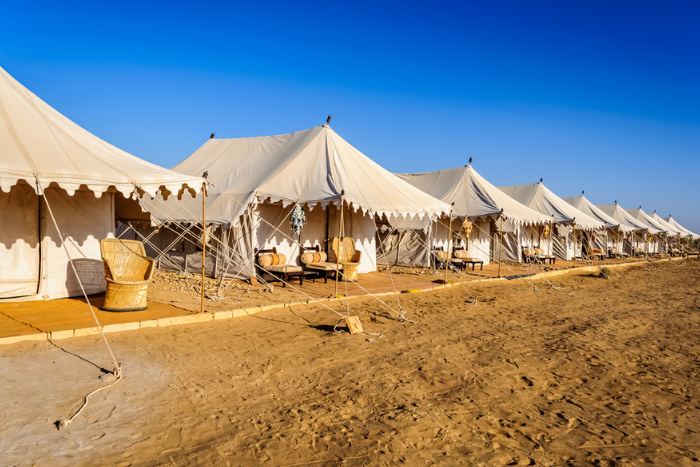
578 371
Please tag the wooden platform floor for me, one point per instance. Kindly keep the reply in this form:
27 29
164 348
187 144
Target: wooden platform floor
25 318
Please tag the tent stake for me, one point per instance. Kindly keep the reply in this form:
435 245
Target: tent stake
204 237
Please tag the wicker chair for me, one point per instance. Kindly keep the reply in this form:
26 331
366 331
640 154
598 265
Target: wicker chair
127 271
343 252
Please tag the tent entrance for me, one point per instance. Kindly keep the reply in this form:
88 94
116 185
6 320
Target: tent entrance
20 254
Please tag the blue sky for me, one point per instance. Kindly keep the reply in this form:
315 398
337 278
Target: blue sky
601 96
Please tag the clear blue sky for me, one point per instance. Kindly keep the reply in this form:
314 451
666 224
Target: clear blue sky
602 96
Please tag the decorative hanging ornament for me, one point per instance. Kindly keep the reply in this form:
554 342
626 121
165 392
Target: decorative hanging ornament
297 218
594 236
466 229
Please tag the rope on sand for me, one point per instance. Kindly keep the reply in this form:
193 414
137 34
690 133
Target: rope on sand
63 424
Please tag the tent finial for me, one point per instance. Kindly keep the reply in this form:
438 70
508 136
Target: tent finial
328 120
540 179
211 136
583 192
470 160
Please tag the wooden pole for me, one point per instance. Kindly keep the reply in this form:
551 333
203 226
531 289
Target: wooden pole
449 248
204 237
606 242
574 242
340 242
551 227
500 251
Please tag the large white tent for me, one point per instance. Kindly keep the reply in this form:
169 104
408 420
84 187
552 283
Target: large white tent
48 161
256 182
635 229
566 218
686 232
482 203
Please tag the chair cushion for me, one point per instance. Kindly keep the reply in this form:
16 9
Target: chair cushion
314 257
271 260
472 260
461 254
324 266
441 254
283 268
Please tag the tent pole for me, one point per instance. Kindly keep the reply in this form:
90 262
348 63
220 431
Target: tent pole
551 227
606 242
449 248
204 237
575 243
500 249
340 242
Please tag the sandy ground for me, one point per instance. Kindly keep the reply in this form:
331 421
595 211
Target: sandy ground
585 371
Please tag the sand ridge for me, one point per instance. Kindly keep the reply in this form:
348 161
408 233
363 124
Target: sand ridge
585 371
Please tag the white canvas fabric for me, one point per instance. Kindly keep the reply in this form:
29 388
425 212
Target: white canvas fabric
686 232
671 230
39 145
543 200
309 167
584 205
45 157
654 227
473 196
623 217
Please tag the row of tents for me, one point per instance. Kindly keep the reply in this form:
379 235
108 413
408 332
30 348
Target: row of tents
62 190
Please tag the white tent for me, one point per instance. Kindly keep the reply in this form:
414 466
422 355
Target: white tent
482 203
671 230
47 161
615 230
255 183
543 200
686 232
655 233
634 228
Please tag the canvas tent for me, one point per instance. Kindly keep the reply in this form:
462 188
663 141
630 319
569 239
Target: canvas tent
48 161
614 229
484 205
256 182
655 234
566 218
685 232
633 228
670 230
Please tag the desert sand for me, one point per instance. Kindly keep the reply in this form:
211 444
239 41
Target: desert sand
575 370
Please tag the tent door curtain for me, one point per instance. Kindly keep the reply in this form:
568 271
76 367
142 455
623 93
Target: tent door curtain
20 255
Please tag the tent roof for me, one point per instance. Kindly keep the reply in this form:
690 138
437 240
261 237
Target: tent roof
686 232
473 195
582 204
623 217
312 167
654 227
541 199
38 144
671 230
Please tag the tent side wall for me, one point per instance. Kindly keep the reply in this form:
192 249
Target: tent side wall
46 272
20 254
